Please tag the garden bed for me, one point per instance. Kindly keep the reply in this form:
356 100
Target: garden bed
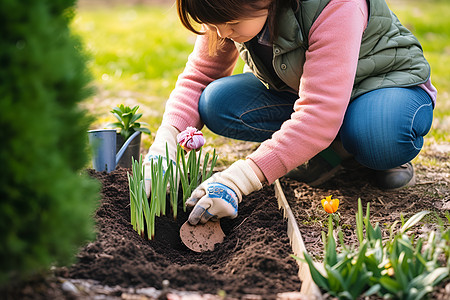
120 264
254 258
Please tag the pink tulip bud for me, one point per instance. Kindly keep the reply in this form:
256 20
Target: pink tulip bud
191 139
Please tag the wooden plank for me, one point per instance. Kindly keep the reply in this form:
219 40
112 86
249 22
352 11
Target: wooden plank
309 288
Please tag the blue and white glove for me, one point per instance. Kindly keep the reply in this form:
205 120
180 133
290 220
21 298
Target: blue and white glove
219 195
166 134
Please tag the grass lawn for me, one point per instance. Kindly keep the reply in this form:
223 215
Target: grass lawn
137 52
430 22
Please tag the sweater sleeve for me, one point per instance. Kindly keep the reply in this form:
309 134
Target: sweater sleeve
201 69
324 93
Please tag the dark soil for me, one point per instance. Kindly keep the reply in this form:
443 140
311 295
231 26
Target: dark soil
253 259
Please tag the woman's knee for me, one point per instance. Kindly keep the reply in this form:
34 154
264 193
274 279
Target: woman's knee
210 99
386 130
224 100
380 152
224 96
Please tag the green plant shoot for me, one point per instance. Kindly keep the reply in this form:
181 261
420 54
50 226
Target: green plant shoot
127 121
166 175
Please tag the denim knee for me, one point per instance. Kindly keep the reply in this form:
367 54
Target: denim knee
385 128
241 107
214 106
206 104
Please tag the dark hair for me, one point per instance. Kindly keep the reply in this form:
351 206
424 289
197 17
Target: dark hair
194 12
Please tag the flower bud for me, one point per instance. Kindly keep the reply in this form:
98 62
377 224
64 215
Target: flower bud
191 139
330 205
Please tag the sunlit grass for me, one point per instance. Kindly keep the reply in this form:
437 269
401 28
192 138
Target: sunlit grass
135 48
430 22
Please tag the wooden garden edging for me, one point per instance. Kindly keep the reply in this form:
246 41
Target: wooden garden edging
309 288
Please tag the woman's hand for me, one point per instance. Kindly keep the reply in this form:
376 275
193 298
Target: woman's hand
219 195
166 135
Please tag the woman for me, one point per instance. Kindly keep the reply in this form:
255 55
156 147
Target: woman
325 81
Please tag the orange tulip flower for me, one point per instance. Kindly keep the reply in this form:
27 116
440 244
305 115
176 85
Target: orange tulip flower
330 205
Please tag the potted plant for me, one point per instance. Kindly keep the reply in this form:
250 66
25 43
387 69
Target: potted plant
127 124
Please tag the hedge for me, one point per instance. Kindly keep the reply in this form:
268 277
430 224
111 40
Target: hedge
46 200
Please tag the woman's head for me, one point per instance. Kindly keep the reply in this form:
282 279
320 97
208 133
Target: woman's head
221 17
242 30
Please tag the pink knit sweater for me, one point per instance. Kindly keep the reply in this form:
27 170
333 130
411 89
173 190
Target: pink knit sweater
324 92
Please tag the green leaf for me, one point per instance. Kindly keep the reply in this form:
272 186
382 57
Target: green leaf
342 262
125 133
116 111
415 294
391 231
345 295
341 240
135 117
115 125
127 115
335 279
137 196
359 222
127 118
134 109
330 252
413 220
436 276
377 232
143 130
357 268
400 272
390 284
372 290
431 246
318 278
205 165
213 164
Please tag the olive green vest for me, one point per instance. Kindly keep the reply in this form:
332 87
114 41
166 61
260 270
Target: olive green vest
389 55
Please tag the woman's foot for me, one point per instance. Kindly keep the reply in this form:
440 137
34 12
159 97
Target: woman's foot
324 165
395 178
315 172
319 170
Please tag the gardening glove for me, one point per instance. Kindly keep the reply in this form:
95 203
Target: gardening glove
166 134
219 195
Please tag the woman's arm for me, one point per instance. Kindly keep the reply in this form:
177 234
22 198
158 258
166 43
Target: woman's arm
201 69
324 92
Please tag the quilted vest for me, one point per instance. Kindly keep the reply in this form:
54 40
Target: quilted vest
389 55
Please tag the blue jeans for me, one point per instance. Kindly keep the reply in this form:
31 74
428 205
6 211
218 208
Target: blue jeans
383 128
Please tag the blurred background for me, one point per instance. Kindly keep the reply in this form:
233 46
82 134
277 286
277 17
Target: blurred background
137 48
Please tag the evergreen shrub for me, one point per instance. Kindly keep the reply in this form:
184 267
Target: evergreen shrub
46 202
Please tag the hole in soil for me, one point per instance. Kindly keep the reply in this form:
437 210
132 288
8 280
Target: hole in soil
167 228
253 259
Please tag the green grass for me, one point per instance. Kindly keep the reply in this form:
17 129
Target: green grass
138 52
430 22
134 48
